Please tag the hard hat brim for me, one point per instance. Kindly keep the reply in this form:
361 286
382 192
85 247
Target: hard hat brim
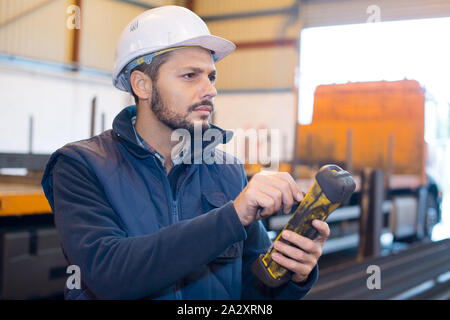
220 46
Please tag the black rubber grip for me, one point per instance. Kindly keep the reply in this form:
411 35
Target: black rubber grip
260 270
337 184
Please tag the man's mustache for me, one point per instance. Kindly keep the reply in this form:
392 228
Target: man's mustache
201 103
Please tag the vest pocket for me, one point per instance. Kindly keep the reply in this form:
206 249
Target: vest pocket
230 254
213 200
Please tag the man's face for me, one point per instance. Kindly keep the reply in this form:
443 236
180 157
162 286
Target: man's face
184 91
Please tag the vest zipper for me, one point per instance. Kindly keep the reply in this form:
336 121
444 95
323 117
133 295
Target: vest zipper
174 219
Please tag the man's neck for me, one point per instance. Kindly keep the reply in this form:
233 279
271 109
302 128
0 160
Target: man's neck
155 133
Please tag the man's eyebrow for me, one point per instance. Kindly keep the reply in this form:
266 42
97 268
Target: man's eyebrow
198 70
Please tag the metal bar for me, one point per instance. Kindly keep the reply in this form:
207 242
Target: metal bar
440 291
103 121
341 274
350 270
401 277
349 150
75 60
42 65
25 13
255 91
190 4
400 273
376 213
364 214
229 16
23 160
267 44
137 4
407 278
371 218
93 109
30 134
390 159
250 14
18 204
421 211
309 150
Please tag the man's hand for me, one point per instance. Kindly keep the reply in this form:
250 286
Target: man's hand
265 194
303 255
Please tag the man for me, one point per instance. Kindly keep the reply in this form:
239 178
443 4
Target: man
143 222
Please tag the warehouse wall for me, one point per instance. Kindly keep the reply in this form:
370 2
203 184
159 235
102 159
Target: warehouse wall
37 28
101 30
271 111
256 82
36 76
253 78
263 59
58 101
258 76
326 12
34 28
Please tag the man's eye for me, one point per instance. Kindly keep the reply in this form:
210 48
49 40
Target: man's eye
189 75
212 78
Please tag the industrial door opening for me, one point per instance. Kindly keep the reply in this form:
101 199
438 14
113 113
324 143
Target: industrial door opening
387 51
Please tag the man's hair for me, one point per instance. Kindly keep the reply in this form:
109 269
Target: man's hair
151 70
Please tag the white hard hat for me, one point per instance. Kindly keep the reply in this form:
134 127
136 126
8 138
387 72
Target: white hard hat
158 29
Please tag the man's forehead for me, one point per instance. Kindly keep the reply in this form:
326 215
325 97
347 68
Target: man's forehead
191 57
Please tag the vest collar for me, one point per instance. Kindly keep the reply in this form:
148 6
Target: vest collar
123 129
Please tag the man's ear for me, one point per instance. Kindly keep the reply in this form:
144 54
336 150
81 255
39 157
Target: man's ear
141 84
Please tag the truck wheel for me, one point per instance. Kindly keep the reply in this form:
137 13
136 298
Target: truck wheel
431 215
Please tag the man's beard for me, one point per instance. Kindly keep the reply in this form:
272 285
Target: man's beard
176 120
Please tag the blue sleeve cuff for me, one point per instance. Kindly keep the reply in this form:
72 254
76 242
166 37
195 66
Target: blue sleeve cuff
239 232
295 290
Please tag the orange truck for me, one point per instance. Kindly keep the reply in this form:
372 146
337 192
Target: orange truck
378 125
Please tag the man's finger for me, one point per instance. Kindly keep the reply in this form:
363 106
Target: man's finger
292 184
322 228
295 190
279 184
292 265
264 204
292 252
274 193
302 242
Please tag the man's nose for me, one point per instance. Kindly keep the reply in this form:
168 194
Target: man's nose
207 89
